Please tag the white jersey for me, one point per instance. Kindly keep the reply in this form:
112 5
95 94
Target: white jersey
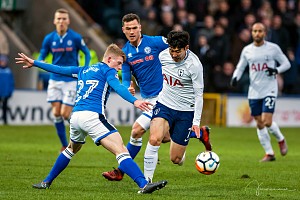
258 59
183 81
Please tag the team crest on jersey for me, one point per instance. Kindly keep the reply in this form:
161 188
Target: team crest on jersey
69 43
164 40
117 76
267 58
180 72
53 43
129 55
147 50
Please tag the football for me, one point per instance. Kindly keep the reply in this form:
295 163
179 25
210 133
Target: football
207 162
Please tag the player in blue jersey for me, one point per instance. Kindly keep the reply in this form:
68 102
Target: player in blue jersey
88 117
64 44
143 64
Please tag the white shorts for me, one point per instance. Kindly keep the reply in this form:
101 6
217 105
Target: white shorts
145 118
60 91
84 123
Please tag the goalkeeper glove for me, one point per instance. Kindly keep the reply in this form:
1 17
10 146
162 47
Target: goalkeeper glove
271 71
233 82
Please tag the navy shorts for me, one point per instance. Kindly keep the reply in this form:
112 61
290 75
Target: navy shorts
180 122
266 105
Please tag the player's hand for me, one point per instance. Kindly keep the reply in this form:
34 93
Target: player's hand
271 71
131 88
23 59
196 129
233 82
143 105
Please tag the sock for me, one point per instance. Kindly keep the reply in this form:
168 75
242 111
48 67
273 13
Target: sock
274 130
131 169
182 160
265 140
134 146
150 160
60 164
193 134
61 130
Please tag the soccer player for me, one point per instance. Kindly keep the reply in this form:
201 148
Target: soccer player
64 44
142 62
179 106
262 57
88 118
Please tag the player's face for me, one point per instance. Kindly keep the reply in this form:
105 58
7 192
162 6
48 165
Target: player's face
116 62
178 54
258 33
132 31
61 21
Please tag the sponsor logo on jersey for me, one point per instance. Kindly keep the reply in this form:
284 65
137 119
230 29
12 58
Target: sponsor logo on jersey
259 67
172 81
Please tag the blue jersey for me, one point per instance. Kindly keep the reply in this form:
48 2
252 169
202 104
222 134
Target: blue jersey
142 62
7 83
94 85
65 50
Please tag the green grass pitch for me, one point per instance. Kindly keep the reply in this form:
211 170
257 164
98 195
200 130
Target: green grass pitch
27 153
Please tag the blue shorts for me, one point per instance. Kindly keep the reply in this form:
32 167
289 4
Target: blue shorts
180 122
266 105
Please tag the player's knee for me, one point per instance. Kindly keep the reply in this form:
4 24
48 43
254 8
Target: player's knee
155 141
137 132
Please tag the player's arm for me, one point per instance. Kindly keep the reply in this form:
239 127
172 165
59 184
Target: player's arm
86 52
238 72
126 75
28 63
283 61
198 86
125 94
45 49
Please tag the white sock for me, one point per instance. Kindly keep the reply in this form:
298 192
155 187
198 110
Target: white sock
265 140
182 160
150 160
274 130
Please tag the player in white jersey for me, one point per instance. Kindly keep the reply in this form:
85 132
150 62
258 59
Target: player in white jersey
262 58
179 106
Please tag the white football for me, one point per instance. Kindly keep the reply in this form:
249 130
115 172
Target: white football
207 162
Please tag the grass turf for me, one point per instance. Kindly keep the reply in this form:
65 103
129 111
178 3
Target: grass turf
27 153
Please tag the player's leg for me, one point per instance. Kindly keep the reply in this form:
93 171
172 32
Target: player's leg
60 164
77 138
54 96
114 143
267 117
256 106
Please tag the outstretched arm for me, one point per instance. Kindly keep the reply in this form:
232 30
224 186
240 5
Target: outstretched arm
28 63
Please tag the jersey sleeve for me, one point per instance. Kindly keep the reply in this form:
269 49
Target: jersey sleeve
196 71
71 71
242 64
45 48
120 89
126 74
282 60
85 50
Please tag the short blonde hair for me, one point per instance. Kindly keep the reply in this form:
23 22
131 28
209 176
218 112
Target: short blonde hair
113 49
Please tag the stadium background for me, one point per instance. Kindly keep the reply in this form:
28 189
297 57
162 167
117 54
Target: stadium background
26 22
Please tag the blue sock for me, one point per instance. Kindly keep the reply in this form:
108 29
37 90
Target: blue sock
134 146
131 169
193 134
60 164
61 130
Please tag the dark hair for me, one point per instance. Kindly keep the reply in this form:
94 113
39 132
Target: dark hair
130 17
178 39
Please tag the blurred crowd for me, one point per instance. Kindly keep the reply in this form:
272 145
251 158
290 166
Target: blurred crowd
219 29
